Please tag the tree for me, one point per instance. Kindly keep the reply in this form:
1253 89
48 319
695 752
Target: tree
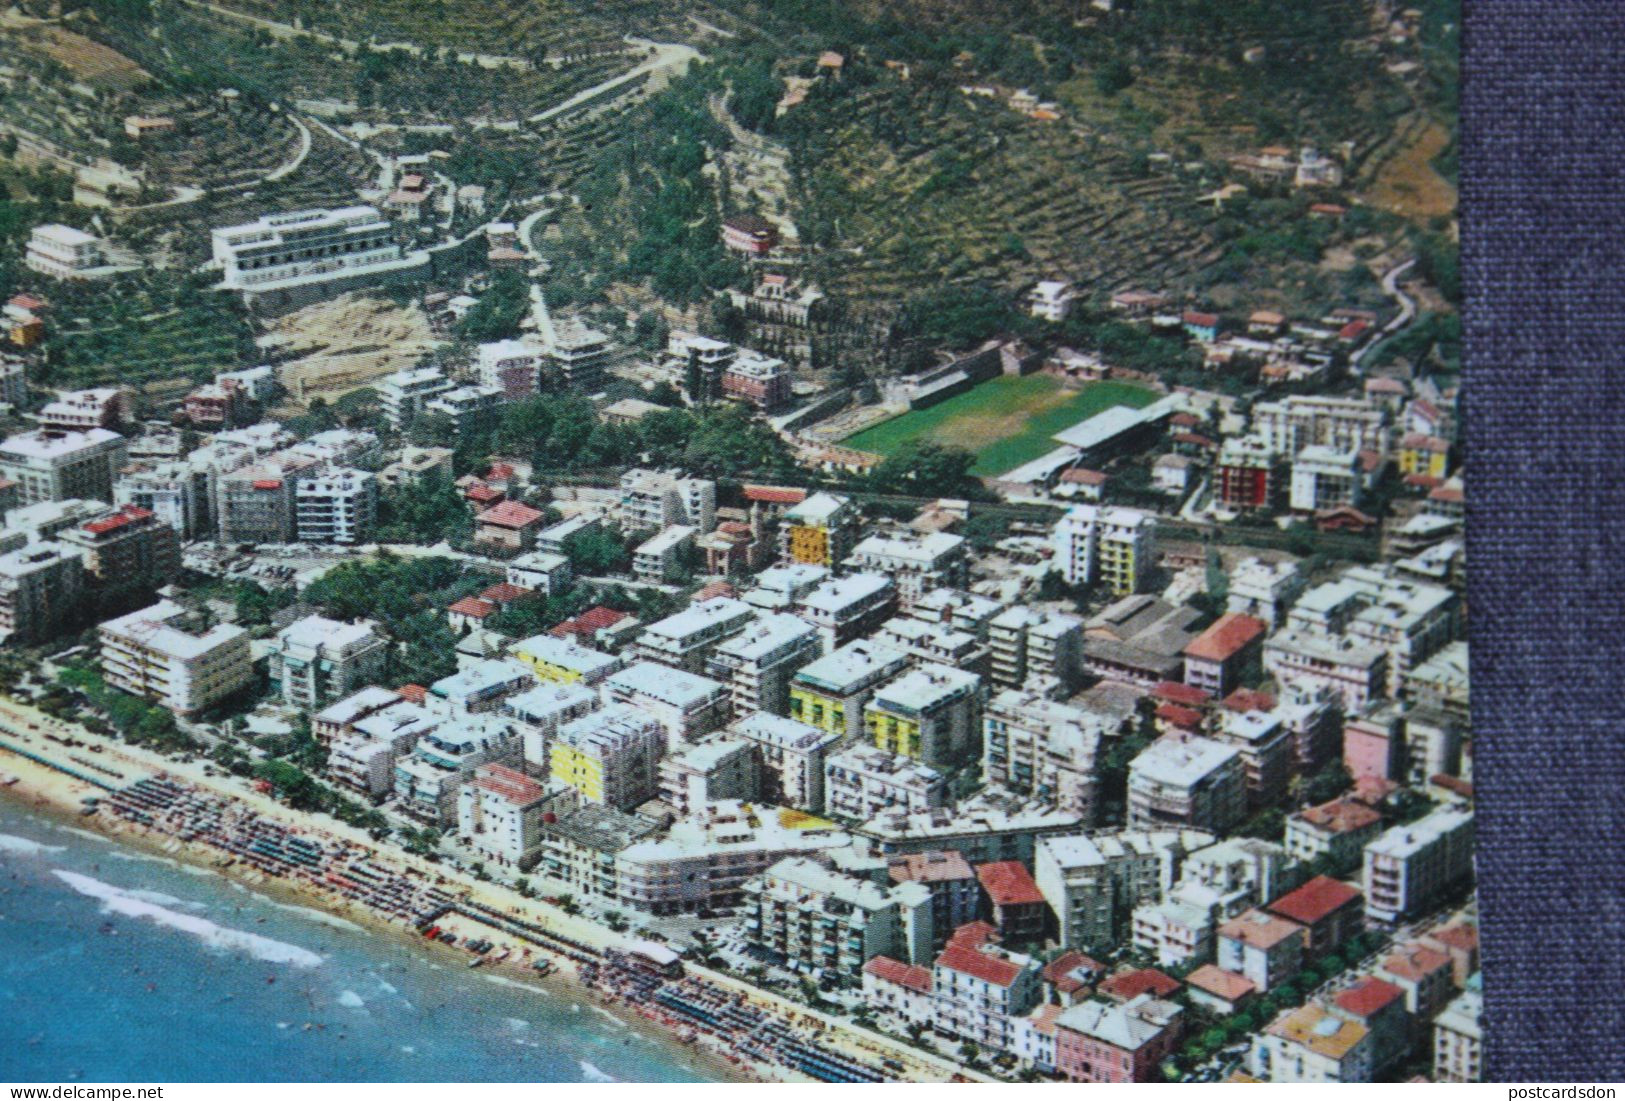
1114 76
925 469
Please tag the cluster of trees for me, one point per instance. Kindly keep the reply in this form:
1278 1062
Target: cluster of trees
135 719
407 596
496 316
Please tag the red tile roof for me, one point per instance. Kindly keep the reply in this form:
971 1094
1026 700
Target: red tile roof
1067 971
1463 936
509 783
483 492
1008 883
1179 716
1414 963
1186 695
714 589
588 622
1202 320
1368 996
413 693
1131 984
896 971
505 593
473 606
973 934
1245 699
775 495
126 515
977 964
511 514
1184 420
1227 985
1228 636
1340 816
1258 929
1316 900
1082 476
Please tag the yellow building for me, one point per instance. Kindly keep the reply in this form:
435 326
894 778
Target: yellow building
931 713
1119 566
1428 456
564 661
610 756
820 531
580 770
893 733
827 713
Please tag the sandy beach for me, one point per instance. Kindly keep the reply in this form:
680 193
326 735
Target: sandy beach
102 761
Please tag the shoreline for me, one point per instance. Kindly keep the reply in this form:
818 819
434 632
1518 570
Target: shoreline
49 788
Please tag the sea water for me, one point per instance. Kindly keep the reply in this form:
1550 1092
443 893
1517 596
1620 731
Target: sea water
121 966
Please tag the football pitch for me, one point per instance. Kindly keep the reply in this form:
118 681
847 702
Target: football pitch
1005 421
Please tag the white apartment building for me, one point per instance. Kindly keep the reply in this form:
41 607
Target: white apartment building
1264 590
463 406
935 643
791 757
780 587
82 410
861 781
337 506
1193 783
1309 1045
511 366
63 252
686 640
51 464
40 588
1110 545
653 500
499 814
316 660
1458 1040
721 767
564 660
1028 643
402 395
1303 420
1042 748
758 663
687 706
1410 867
848 608
1311 664
959 610
172 491
1093 883
807 911
706 859
307 254
980 990
1324 478
152 654
915 563
540 711
1051 300
428 782
578 354
540 572
483 686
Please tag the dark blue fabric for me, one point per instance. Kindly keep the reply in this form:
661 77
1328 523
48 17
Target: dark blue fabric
1543 240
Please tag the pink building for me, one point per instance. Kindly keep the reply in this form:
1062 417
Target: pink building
1100 1042
1371 747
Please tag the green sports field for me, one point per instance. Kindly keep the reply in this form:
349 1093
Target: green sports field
1006 421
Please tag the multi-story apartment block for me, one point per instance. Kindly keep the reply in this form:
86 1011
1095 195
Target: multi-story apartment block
654 500
958 610
540 711
82 410
686 706
861 781
1247 475
610 756
687 640
1337 831
821 530
1106 544
1195 783
1266 748
172 491
1216 659
915 563
980 989
307 255
763 382
1458 1040
499 815
848 608
52 464
579 847
316 660
1311 1045
757 664
63 252
1410 867
1263 589
935 643
931 713
128 546
40 590
1028 643
1325 478
778 588
1264 949
402 395
990 825
1312 664
831 692
1303 420
717 768
335 506
511 366
791 756
1094 883
565 661
338 719
956 895
805 910
429 780
540 572
1042 748
155 654
577 355
1101 1042
478 688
